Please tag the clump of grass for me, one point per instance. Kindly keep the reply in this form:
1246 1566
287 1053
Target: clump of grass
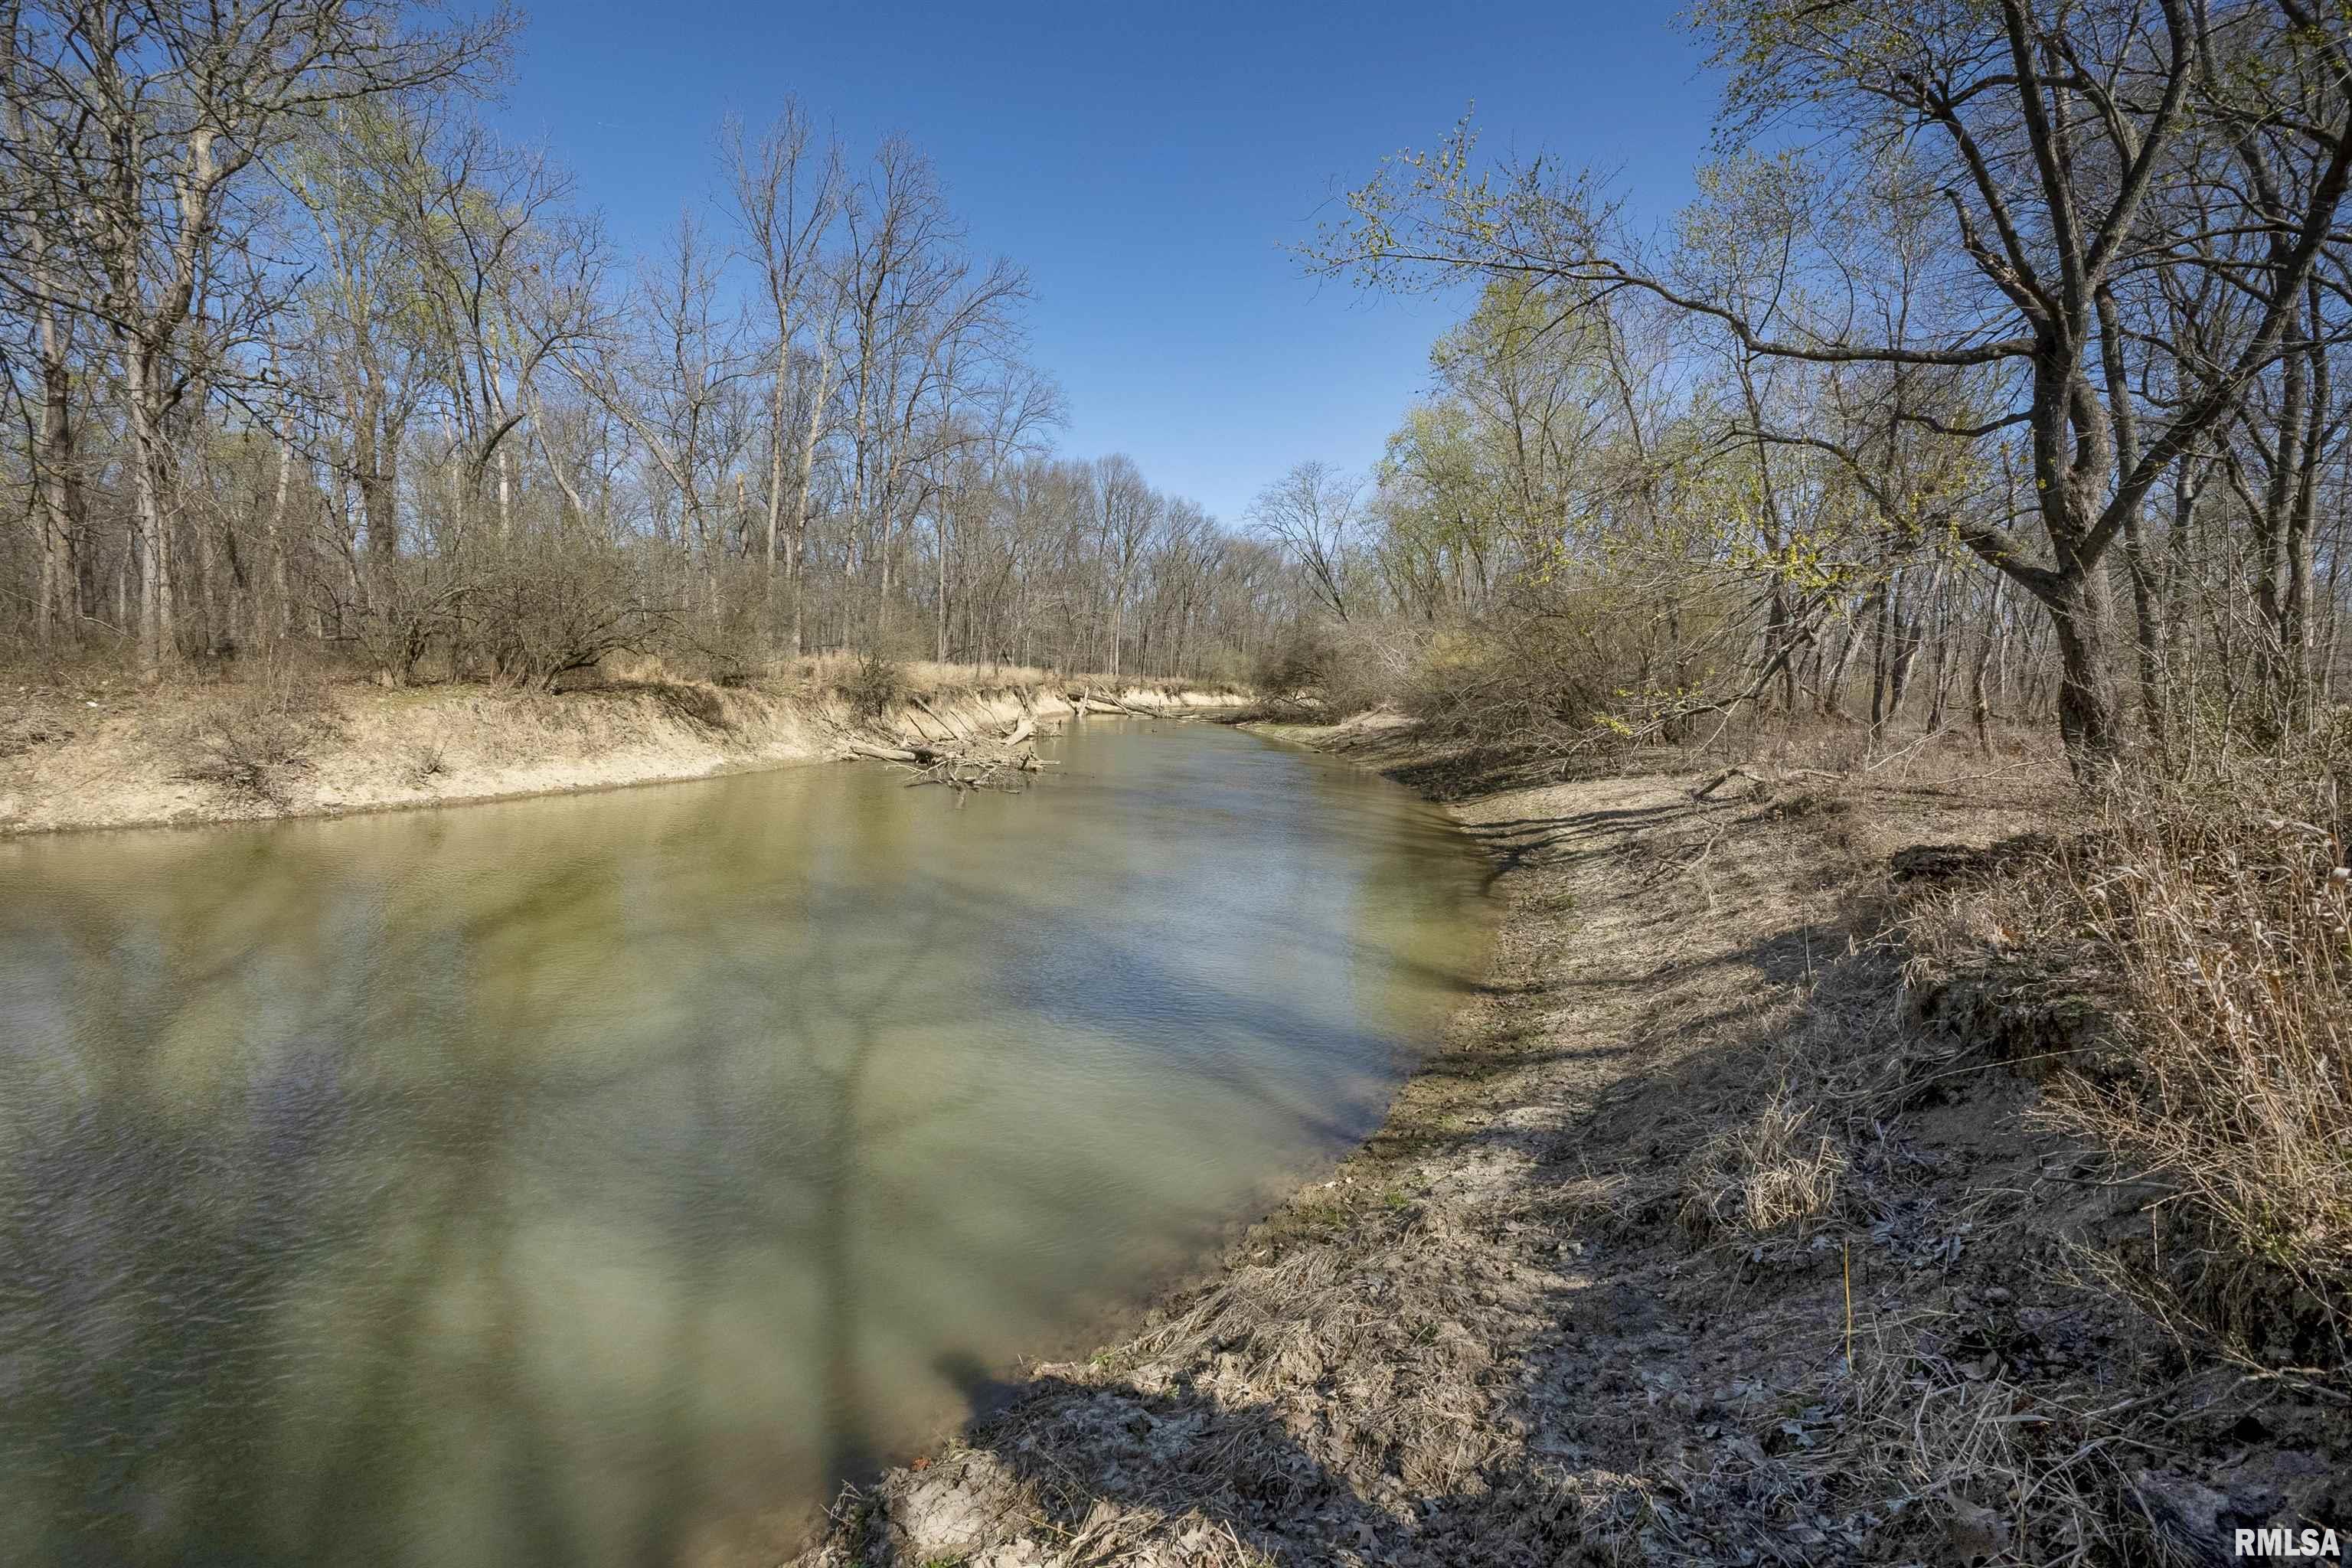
1936 1446
1755 1177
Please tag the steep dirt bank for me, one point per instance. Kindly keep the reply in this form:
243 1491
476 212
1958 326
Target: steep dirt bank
1701 1240
117 756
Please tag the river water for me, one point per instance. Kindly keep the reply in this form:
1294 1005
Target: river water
596 1180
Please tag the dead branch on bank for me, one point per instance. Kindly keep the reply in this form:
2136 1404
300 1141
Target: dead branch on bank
1089 701
967 760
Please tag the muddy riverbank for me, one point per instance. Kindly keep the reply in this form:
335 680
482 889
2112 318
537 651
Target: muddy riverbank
112 754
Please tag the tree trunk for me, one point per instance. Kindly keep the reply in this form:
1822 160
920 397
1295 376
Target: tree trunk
374 458
2294 608
1832 692
2148 620
274 618
2089 705
506 493
939 528
775 492
1880 627
57 598
803 481
1979 704
158 624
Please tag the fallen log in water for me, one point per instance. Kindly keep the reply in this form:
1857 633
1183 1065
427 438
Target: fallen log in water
964 773
1087 702
968 761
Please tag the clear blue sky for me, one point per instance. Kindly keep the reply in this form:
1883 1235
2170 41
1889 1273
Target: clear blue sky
1147 165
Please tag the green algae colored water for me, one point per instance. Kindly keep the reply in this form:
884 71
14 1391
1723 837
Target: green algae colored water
597 1179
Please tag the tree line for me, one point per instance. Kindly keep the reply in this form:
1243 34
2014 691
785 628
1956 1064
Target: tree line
1995 372
1999 363
300 356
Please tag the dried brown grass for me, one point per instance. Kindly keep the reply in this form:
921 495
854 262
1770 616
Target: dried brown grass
2219 910
2229 917
1961 1463
1752 1178
1421 1412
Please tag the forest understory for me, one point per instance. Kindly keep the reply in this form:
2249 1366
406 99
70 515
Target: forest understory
1756 1208
108 752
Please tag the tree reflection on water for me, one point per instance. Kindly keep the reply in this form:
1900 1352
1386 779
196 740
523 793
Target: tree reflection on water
601 1180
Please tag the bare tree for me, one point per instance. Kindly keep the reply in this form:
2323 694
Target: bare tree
677 385
1312 513
785 195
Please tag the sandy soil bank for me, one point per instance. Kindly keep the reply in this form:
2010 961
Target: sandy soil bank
116 756
1703 1239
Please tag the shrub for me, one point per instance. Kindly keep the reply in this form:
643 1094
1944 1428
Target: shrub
1373 664
1517 681
428 760
251 739
540 612
1296 664
1522 681
878 685
1345 668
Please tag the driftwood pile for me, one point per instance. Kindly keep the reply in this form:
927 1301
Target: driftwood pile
1084 702
965 758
